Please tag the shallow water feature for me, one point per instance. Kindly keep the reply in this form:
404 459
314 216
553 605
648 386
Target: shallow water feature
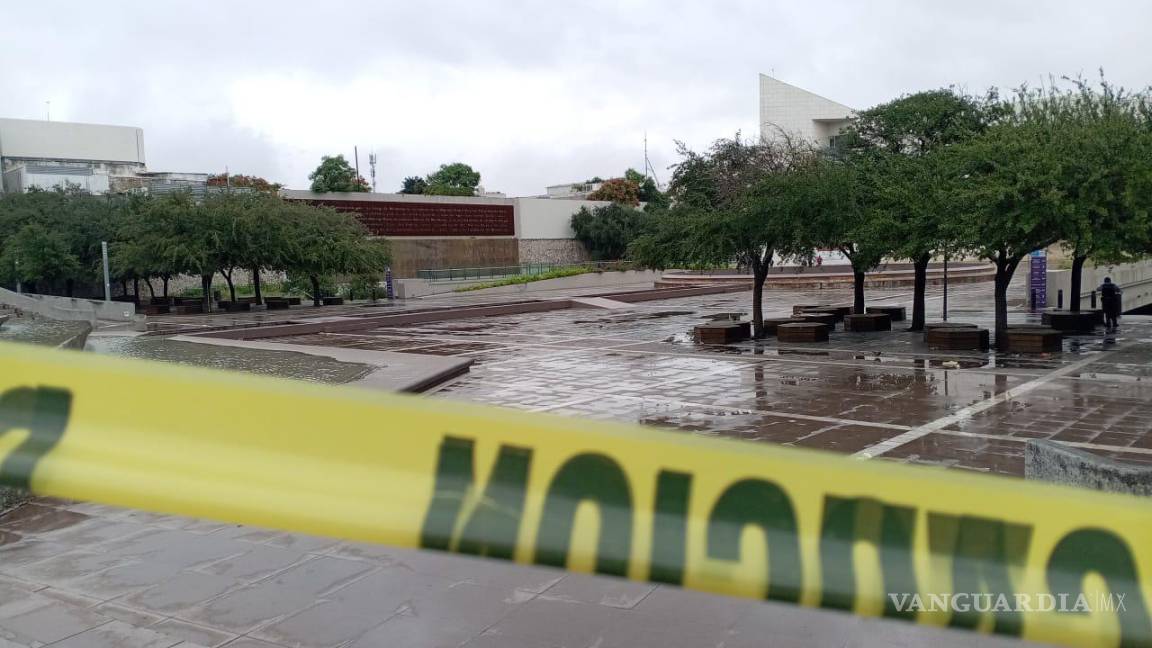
39 331
285 364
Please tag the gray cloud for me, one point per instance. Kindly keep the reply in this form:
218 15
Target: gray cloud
531 93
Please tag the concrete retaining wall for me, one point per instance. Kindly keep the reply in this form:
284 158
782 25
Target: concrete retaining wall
69 309
1135 280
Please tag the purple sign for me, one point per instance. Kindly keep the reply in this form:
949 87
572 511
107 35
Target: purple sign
1038 279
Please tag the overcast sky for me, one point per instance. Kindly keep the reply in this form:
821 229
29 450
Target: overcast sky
529 93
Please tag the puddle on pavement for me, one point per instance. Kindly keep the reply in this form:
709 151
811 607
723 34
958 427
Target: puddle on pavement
40 331
633 317
285 364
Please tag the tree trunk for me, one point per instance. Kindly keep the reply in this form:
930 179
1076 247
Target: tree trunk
151 288
69 287
857 291
228 280
1005 268
920 271
206 287
1077 283
124 287
759 276
256 286
165 286
315 290
136 288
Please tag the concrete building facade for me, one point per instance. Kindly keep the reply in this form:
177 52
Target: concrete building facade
438 232
96 158
796 112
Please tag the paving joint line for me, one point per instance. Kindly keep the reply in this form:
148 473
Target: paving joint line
966 413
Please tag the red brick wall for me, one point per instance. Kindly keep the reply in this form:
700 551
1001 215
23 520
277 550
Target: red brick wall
386 218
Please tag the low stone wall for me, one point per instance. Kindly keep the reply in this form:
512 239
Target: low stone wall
552 251
69 309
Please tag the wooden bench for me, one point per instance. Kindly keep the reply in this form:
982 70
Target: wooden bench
332 301
894 313
293 301
772 324
1073 322
820 318
723 332
867 322
725 317
957 338
803 332
154 309
188 309
234 306
837 313
931 326
1020 339
276 303
800 308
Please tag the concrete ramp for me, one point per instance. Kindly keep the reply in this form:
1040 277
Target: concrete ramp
600 302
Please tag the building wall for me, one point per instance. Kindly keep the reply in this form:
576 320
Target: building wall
44 140
412 254
544 218
798 112
552 251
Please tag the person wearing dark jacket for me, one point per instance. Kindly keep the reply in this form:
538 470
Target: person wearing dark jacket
1110 301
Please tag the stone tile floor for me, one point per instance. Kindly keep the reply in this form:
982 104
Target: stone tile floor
74 574
79 575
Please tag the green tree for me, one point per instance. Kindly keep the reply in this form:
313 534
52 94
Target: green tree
845 216
891 143
38 256
455 179
1006 184
648 192
607 231
414 185
739 201
1105 170
335 174
328 243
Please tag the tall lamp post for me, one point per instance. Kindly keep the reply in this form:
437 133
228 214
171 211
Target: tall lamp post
945 284
107 281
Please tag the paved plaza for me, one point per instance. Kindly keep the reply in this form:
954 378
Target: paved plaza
79 575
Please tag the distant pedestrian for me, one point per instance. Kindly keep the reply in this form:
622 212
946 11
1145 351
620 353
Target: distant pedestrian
1110 300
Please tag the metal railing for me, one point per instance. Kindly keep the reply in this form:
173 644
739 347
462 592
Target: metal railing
523 269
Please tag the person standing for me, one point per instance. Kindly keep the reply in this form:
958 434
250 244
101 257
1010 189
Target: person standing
1110 301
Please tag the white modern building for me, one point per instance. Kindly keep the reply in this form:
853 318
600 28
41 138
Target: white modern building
94 157
572 190
787 109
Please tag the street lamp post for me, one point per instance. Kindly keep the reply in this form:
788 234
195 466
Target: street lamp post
19 286
107 280
945 285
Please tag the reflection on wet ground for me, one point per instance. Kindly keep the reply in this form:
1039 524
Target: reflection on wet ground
39 330
258 361
848 395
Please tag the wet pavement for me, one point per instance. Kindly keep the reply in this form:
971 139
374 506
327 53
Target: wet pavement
74 574
871 394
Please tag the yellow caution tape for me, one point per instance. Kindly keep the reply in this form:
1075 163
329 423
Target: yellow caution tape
936 547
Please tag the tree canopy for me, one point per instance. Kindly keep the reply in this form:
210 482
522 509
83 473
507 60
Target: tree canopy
50 240
335 174
455 179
